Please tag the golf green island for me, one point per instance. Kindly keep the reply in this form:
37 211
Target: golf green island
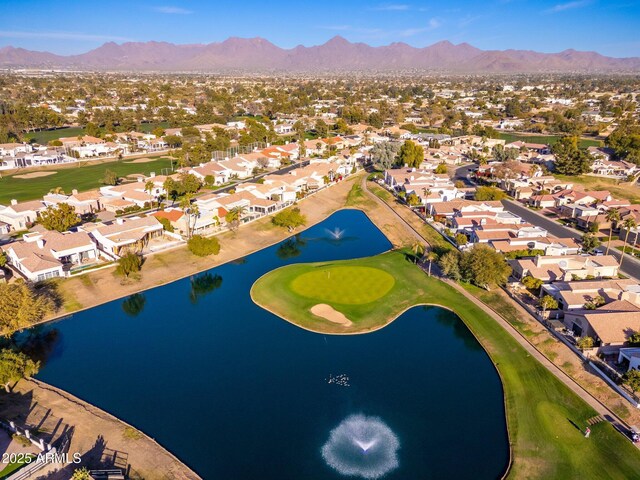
342 297
366 294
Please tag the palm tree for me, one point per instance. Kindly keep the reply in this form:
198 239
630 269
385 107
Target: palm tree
628 224
190 210
613 215
431 256
418 250
148 187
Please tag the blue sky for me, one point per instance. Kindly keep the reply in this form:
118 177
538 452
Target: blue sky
611 27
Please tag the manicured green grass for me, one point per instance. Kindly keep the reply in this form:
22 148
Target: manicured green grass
46 136
546 139
348 285
84 176
12 467
541 410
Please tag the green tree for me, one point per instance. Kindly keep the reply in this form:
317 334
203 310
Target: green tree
149 186
450 265
441 168
461 239
413 200
233 217
410 154
612 216
203 246
60 217
589 242
632 379
110 177
585 342
385 154
628 224
22 305
92 129
15 366
489 194
547 303
166 224
128 264
570 160
532 283
3 258
289 218
321 128
158 132
484 267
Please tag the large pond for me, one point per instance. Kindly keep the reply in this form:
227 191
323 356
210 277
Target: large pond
238 393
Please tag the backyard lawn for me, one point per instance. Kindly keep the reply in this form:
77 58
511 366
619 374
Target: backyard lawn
82 176
544 417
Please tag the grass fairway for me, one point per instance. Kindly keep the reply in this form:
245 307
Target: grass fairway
546 139
541 410
82 176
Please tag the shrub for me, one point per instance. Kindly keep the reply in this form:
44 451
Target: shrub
166 224
202 246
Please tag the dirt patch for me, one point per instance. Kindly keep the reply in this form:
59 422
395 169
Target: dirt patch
102 440
143 160
327 312
34 175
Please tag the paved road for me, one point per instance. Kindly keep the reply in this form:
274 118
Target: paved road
630 266
602 409
462 173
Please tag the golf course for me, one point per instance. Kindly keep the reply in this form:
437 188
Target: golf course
545 419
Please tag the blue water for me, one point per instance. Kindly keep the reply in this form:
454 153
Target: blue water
237 393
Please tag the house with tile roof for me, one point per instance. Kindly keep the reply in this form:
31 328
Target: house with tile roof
21 215
124 234
49 254
565 268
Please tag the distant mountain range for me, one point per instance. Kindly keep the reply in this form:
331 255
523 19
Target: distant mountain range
338 54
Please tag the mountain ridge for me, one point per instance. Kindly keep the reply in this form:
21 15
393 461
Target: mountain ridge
258 55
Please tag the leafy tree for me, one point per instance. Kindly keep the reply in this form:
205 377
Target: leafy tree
625 141
385 153
61 217
3 258
547 303
22 305
92 129
590 241
110 177
632 379
483 266
585 342
450 265
532 283
441 168
413 200
166 224
134 304
174 141
489 194
595 302
501 154
203 246
461 239
158 132
375 120
321 128
570 160
128 264
289 218
15 366
410 154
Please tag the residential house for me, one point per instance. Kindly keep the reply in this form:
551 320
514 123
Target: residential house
124 235
565 268
40 256
20 216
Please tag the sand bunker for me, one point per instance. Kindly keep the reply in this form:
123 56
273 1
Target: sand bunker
143 160
35 175
329 313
